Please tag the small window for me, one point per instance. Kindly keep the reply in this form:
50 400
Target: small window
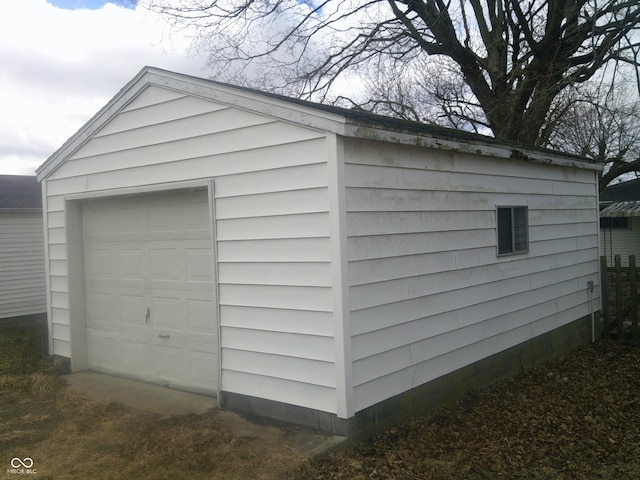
513 235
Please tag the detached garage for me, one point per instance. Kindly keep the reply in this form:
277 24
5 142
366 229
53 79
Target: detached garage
313 264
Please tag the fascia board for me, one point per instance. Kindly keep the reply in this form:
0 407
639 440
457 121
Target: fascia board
355 130
77 140
246 100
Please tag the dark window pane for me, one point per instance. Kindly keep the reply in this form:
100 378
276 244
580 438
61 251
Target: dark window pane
614 222
504 231
520 229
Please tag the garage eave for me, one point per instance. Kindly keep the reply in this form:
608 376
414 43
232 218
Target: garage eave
247 99
320 117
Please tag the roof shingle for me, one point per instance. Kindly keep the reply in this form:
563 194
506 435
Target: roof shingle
20 192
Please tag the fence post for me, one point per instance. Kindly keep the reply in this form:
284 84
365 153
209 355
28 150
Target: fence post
618 280
604 297
634 299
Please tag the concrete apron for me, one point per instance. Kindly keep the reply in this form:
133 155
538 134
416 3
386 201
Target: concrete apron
165 402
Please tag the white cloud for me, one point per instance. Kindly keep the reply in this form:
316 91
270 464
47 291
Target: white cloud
58 67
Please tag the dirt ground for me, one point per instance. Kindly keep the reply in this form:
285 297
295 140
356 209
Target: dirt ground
575 418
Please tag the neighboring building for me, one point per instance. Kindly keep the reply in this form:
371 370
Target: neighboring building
620 222
319 265
22 269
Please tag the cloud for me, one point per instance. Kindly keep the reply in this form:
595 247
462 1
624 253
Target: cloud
90 4
58 67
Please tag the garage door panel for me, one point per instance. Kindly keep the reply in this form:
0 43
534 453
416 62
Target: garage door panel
133 309
166 264
100 311
171 363
105 352
98 221
199 315
165 216
100 263
130 220
201 371
132 263
196 214
168 313
136 356
151 254
199 265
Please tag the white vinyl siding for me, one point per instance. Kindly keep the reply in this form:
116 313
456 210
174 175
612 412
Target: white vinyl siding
427 293
621 241
271 223
22 274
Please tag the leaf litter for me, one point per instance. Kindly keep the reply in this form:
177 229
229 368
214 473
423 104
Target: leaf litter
577 417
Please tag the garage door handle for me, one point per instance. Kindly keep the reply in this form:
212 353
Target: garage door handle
164 336
147 316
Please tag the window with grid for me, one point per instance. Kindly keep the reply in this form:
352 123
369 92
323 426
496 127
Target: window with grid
513 230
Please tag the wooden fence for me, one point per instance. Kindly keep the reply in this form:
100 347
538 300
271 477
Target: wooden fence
620 300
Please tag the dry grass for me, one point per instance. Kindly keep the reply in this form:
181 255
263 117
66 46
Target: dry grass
22 346
71 437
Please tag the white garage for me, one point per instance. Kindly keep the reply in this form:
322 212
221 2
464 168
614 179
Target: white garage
313 264
148 279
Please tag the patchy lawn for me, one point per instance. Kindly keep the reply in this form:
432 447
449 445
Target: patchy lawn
70 437
573 418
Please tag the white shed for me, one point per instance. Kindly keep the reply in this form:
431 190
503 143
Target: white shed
22 272
314 264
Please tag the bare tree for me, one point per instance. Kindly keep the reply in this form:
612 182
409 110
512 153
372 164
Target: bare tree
515 56
426 90
604 127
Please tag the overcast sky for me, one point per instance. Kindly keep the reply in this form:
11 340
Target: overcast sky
62 60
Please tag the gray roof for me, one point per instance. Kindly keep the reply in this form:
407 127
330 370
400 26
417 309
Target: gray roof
621 209
363 117
20 192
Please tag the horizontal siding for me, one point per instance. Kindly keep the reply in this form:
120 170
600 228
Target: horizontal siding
276 300
428 293
621 241
272 231
279 389
318 324
22 272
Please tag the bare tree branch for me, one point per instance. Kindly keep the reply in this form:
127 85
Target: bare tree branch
514 59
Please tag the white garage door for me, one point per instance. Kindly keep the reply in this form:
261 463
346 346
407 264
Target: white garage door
149 289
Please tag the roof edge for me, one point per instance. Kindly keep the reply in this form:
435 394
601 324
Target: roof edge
84 133
337 120
472 144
